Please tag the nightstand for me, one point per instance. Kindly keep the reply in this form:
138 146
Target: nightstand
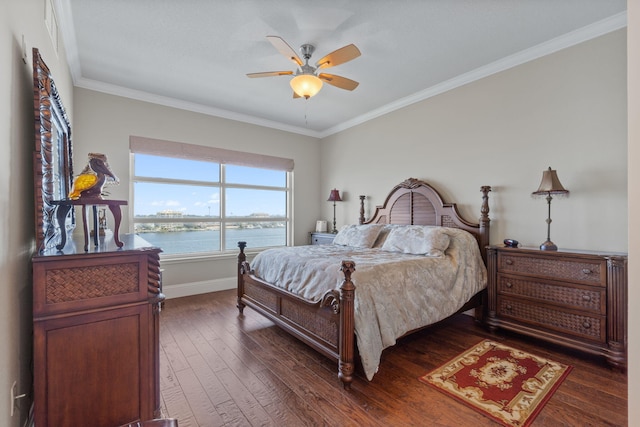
322 238
576 299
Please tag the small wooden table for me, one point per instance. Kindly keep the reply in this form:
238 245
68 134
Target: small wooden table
318 238
64 206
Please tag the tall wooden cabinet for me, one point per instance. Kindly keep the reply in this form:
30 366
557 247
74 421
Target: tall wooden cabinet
96 349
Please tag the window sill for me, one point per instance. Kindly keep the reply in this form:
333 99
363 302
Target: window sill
182 258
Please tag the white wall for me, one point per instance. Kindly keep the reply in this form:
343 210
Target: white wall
105 122
18 19
633 51
566 110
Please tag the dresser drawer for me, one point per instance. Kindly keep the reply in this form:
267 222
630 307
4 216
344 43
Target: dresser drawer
64 285
579 297
576 270
322 238
583 325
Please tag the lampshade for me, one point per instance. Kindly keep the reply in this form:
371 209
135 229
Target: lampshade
334 196
306 85
550 184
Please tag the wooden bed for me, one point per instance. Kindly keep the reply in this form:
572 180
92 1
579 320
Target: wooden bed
328 325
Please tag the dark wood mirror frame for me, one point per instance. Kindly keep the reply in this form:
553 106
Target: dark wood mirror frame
52 157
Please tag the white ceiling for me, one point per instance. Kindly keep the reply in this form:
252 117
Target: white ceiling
195 54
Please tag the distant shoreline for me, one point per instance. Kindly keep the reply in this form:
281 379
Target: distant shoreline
208 241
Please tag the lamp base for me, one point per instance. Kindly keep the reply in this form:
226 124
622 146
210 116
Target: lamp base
548 246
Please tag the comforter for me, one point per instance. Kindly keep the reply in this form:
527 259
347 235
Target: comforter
395 292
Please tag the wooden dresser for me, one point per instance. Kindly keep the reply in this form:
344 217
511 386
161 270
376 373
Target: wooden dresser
573 298
96 349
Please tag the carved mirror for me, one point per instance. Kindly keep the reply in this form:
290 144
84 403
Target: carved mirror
52 162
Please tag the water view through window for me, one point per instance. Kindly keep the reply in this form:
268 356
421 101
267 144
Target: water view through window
193 207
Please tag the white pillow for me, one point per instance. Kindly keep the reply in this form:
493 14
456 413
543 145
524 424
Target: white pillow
418 240
358 236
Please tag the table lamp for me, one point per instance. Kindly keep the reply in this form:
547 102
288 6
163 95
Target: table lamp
550 185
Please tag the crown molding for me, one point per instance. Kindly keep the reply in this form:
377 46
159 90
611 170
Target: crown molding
63 12
573 38
189 106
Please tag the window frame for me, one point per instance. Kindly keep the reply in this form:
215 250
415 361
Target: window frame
222 219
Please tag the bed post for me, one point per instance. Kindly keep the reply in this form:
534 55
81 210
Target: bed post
241 259
484 222
347 326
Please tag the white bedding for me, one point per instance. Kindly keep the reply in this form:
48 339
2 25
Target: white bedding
395 292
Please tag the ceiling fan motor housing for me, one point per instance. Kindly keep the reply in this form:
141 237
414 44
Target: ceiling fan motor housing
307 50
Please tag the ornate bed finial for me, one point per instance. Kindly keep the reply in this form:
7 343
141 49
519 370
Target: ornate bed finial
410 183
484 209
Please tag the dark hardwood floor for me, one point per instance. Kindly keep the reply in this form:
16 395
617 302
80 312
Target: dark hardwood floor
220 369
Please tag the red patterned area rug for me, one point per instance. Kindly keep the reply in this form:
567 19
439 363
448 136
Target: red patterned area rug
502 383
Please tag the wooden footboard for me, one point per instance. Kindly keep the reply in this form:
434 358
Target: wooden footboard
326 325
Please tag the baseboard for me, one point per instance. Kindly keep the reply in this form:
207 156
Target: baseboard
195 288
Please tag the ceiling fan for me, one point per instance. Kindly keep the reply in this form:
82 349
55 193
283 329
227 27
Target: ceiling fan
308 81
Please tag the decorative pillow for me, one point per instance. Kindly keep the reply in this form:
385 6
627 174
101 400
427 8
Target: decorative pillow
358 236
386 229
418 240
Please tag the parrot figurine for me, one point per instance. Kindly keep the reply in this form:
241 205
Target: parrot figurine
92 179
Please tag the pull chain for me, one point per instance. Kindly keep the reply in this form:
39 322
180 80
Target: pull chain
306 105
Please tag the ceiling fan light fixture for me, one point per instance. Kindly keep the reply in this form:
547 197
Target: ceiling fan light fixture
306 85
307 82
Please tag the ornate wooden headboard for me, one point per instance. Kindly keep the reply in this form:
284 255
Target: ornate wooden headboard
414 202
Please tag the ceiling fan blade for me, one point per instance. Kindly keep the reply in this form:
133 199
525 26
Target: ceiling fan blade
339 81
285 49
340 56
270 74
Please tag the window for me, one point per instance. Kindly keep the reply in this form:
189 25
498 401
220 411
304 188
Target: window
196 206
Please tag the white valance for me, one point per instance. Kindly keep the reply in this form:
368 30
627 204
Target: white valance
159 147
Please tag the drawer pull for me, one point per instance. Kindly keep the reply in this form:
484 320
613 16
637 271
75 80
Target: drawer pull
509 262
586 325
509 285
586 271
508 307
586 297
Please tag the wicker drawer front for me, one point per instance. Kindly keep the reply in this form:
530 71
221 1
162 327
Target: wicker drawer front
88 282
580 270
574 296
64 285
581 325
